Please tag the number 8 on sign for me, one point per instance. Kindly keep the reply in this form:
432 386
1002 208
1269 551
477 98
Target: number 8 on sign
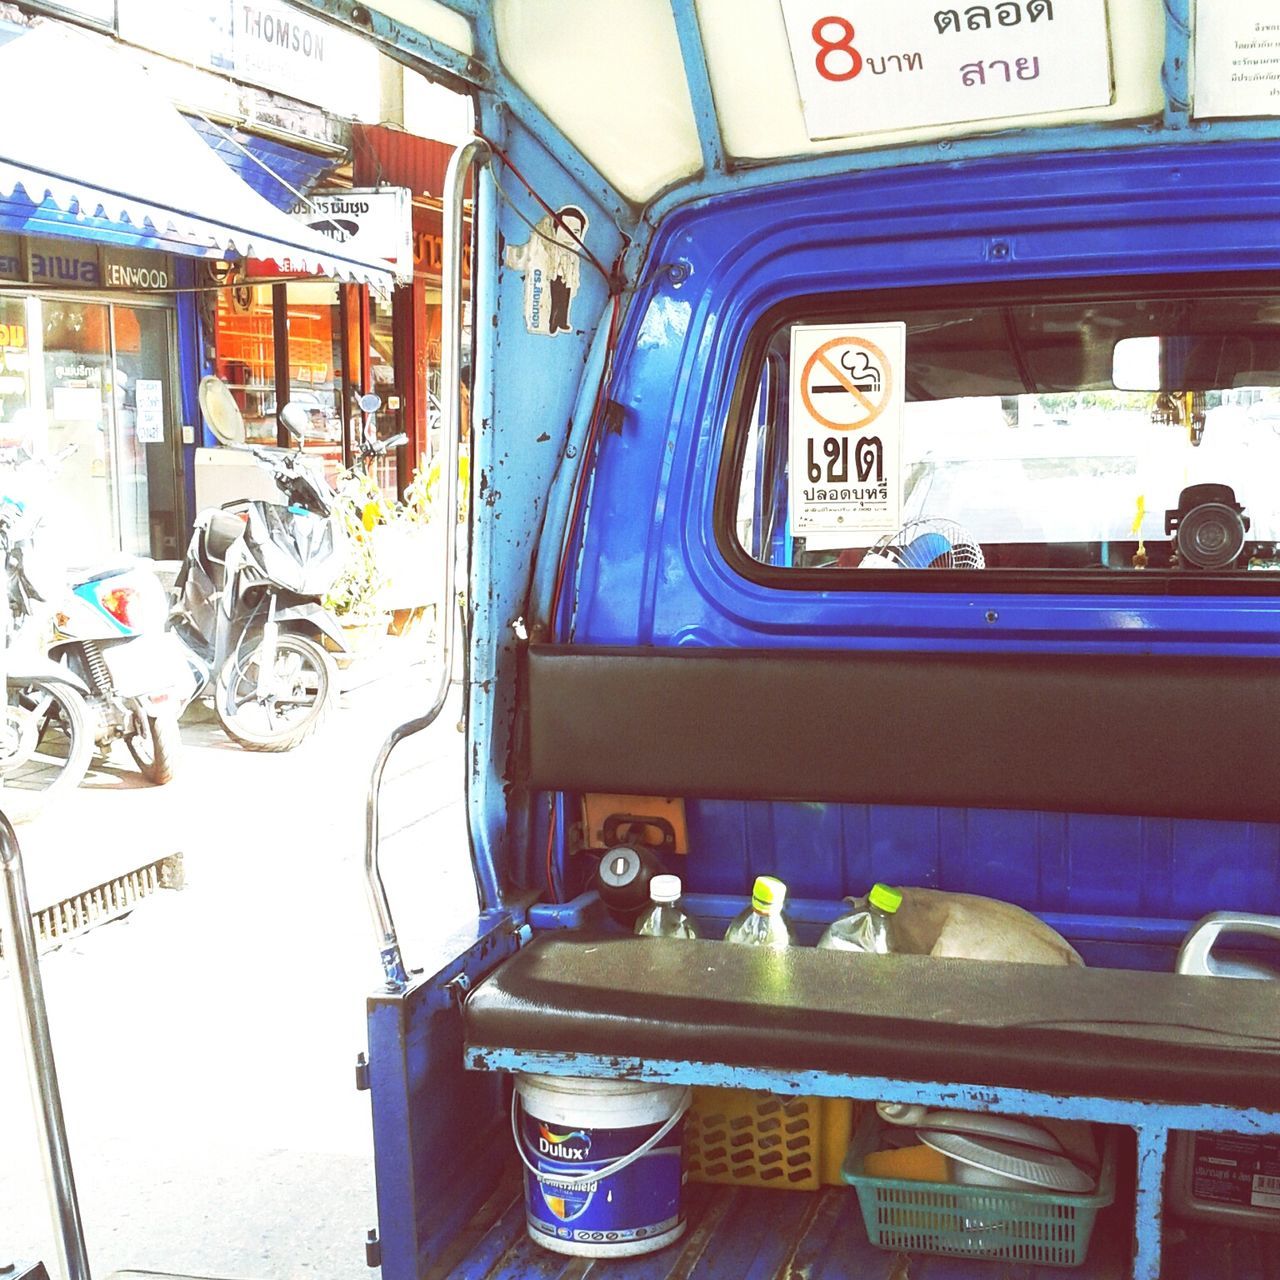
827 47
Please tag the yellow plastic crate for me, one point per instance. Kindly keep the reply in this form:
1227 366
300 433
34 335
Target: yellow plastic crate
752 1139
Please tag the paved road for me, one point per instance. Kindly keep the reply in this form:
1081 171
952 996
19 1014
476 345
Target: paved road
206 1043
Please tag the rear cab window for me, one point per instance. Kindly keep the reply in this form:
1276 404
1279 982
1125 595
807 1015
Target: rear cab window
1089 439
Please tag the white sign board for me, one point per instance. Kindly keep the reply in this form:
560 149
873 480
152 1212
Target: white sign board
867 68
845 443
1236 59
149 398
264 42
374 222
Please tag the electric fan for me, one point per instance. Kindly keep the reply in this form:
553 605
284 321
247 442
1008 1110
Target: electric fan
929 542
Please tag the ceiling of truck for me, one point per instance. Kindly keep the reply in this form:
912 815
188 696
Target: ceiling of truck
653 93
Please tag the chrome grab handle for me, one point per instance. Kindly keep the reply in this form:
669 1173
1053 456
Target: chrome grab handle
1194 954
475 152
20 941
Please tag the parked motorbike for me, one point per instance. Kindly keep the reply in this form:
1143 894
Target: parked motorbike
248 597
88 657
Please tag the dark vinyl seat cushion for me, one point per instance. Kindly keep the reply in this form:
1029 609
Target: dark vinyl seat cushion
1104 1033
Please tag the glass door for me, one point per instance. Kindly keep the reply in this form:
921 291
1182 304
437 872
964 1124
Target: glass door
78 391
146 452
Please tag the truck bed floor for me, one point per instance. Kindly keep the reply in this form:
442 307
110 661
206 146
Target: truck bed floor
737 1233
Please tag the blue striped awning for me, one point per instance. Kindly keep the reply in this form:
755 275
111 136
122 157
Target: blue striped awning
124 168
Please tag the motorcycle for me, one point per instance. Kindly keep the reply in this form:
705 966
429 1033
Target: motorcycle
248 596
89 660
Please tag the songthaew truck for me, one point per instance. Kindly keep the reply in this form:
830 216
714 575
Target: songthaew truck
875 438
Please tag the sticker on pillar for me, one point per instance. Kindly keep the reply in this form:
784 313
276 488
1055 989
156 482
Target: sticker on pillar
551 260
846 430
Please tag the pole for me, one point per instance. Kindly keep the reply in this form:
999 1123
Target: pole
20 941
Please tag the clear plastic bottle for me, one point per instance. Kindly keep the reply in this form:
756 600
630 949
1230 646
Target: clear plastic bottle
867 927
762 924
665 919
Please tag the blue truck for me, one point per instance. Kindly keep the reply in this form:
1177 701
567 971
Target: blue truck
875 474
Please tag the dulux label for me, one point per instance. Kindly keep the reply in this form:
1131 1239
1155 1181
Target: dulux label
638 1202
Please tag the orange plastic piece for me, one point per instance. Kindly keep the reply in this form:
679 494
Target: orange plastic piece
916 1164
599 808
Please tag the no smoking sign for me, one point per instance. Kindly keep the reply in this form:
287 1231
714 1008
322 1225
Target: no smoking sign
846 429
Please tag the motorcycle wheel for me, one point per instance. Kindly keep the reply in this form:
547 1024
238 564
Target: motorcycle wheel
156 748
46 746
304 682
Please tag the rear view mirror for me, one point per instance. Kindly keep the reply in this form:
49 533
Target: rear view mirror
294 419
1197 361
1135 364
370 402
221 411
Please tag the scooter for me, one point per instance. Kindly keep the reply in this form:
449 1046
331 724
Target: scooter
248 596
102 627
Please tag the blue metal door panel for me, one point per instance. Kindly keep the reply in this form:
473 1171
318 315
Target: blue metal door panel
652 572
1084 865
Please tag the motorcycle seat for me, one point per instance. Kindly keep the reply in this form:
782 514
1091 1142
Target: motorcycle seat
222 530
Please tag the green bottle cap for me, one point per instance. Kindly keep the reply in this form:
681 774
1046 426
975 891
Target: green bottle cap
887 899
768 895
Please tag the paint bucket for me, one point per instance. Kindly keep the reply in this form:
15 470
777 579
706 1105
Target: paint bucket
604 1163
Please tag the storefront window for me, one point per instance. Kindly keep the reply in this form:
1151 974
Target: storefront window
15 369
246 356
78 395
385 382
315 364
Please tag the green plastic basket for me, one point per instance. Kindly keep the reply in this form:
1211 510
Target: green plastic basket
1045 1228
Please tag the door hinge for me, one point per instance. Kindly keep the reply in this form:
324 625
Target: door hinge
362 1071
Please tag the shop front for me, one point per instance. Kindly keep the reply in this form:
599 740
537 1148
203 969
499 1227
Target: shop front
103 253
89 376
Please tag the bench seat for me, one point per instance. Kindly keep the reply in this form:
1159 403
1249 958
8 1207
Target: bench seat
1146 1037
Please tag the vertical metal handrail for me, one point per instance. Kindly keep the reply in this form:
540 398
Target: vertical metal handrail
20 940
475 152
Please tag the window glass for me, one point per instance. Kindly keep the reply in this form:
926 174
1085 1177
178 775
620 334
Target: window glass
1131 434
245 356
315 365
384 378
15 369
79 398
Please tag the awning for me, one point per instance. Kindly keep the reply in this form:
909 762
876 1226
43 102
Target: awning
106 157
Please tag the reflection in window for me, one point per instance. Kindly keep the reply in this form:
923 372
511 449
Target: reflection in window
315 365
246 356
1039 436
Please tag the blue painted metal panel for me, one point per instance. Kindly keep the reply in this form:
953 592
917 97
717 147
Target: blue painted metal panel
652 573
273 169
439 1132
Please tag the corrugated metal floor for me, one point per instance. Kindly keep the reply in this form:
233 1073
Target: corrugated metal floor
740 1234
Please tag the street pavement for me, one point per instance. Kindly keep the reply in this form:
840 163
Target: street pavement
206 1043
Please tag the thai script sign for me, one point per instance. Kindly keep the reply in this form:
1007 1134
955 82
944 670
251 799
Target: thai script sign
845 451
373 222
874 68
1237 59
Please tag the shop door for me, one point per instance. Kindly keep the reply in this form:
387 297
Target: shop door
147 454
108 383
77 393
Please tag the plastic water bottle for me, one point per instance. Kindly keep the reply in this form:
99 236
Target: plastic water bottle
867 927
762 924
665 919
